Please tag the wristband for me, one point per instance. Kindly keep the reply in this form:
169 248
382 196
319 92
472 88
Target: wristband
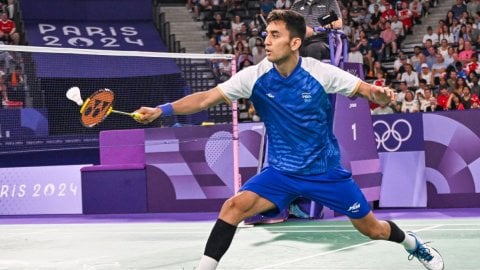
167 109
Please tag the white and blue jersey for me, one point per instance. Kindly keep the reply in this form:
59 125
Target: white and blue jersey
296 111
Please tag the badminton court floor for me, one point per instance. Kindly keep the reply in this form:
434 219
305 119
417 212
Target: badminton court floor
130 243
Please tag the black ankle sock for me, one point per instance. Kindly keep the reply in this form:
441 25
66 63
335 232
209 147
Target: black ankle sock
396 234
219 240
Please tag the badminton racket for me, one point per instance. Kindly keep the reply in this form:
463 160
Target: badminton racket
96 107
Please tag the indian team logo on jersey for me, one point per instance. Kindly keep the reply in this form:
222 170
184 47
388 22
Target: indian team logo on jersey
307 97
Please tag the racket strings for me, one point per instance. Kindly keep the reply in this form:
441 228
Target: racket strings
97 107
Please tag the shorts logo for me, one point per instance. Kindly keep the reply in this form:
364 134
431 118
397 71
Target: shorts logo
354 208
391 133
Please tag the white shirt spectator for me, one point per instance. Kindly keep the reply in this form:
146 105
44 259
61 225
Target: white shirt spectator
433 37
397 27
409 106
283 4
443 51
382 110
371 9
411 79
449 37
398 63
427 77
355 56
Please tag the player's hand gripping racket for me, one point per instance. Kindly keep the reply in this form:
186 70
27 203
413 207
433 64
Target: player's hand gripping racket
96 107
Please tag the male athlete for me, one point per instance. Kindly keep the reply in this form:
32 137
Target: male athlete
290 95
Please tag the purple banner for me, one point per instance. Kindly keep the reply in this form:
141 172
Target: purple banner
129 35
431 161
399 139
114 31
86 10
398 132
352 126
40 190
354 69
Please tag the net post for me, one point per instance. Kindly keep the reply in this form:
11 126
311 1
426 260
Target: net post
237 177
236 170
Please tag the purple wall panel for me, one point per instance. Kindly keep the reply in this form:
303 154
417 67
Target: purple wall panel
453 164
198 170
435 165
352 127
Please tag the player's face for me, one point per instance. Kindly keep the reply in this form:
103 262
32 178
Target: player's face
279 47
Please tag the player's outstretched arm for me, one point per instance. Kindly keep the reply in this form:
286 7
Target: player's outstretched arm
187 105
377 94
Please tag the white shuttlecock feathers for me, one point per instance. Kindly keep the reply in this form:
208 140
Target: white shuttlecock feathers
74 95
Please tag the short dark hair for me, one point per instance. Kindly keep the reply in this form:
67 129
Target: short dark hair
294 21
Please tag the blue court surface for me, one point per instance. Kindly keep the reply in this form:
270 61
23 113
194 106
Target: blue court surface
176 241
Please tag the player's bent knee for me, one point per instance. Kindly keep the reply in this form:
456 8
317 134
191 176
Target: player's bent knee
236 207
373 229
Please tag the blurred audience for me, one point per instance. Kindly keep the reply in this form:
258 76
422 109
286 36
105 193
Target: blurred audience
440 73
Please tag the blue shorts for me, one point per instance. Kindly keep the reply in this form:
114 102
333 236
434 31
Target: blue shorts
334 189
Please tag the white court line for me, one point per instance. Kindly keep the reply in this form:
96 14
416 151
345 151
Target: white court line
335 250
456 230
350 226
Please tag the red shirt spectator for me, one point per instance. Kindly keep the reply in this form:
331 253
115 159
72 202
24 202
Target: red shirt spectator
405 15
442 99
389 12
8 30
380 81
7 25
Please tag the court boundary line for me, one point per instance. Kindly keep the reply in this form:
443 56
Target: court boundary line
335 250
350 226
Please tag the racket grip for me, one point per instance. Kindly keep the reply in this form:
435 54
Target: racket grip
136 116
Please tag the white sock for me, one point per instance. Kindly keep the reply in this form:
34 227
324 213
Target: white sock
410 243
207 263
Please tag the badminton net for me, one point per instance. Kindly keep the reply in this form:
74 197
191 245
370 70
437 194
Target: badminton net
36 113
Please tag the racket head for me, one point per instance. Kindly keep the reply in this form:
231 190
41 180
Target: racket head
97 107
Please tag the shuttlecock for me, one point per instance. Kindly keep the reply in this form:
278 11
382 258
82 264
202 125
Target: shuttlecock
74 95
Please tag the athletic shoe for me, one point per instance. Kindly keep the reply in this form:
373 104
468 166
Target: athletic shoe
427 255
295 210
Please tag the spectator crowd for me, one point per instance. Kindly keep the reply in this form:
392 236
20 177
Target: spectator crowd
440 73
12 78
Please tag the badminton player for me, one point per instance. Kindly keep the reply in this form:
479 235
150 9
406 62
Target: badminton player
289 93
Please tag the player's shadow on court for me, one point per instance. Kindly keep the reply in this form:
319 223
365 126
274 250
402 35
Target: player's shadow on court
334 237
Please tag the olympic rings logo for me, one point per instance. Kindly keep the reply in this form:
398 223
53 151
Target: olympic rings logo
392 132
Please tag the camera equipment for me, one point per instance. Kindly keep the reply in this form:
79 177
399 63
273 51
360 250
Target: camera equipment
328 19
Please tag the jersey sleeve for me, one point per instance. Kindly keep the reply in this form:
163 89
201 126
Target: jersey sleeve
239 85
333 79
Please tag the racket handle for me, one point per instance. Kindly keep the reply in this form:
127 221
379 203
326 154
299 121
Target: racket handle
133 115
